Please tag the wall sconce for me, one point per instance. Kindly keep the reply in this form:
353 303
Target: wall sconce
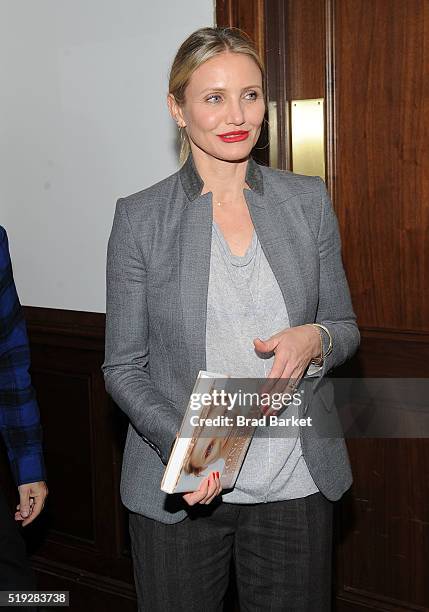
307 127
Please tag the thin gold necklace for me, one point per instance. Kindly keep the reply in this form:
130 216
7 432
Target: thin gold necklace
220 203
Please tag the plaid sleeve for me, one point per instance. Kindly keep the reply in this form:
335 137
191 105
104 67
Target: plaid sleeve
19 412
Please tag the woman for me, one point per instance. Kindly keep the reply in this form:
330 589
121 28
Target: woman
200 267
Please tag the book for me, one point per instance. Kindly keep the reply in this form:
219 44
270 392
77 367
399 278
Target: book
211 437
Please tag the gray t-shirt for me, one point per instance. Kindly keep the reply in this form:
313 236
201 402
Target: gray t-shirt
245 302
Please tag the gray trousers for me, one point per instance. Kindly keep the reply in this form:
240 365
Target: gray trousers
282 552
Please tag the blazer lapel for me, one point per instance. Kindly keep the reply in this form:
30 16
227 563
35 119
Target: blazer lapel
195 249
274 227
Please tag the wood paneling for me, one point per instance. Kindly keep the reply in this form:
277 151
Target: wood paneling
248 15
384 556
382 87
305 21
67 468
299 42
80 542
381 194
276 60
388 353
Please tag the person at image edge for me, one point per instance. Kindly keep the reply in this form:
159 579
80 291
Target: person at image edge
21 431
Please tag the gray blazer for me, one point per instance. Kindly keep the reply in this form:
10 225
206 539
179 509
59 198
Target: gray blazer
158 263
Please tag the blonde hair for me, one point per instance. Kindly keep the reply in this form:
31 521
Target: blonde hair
200 46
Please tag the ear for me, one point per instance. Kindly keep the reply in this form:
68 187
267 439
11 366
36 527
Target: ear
175 110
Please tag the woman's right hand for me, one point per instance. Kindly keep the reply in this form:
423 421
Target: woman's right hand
207 491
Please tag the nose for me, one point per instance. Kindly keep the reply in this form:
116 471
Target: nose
235 112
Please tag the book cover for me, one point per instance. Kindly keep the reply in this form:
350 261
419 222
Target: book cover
210 438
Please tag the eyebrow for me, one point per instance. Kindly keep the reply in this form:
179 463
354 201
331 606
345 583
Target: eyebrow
223 89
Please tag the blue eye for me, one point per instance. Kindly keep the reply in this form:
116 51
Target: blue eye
213 96
254 95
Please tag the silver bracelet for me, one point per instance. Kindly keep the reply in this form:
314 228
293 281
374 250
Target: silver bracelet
326 330
319 361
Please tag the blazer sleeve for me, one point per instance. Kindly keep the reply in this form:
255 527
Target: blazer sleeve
335 309
126 364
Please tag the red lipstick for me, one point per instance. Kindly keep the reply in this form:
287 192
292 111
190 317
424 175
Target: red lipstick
234 136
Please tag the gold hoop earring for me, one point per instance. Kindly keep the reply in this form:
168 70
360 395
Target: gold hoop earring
268 138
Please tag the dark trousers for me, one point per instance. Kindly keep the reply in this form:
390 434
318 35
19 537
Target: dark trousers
15 571
282 552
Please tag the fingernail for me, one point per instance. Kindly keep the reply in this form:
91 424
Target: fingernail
218 475
24 513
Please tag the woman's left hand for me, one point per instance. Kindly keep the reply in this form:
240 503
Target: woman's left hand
209 488
293 348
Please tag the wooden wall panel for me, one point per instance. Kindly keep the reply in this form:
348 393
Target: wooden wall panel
68 455
287 25
248 15
80 542
382 90
276 61
305 22
384 556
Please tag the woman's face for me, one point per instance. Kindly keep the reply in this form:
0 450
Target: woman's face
224 95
